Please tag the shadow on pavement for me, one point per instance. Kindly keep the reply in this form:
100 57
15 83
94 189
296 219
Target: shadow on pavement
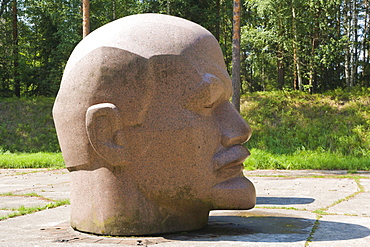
284 200
269 229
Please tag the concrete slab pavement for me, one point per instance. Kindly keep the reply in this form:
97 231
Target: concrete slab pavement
32 187
358 205
294 208
25 181
366 184
314 193
342 230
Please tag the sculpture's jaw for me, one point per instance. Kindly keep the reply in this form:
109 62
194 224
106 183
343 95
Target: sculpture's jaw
234 193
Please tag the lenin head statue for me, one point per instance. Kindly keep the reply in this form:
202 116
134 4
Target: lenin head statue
147 131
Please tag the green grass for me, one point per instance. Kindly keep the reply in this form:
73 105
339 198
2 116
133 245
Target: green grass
284 122
305 159
26 125
297 130
31 160
291 130
22 210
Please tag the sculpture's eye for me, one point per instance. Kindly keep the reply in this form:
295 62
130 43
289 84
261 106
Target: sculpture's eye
202 106
207 96
209 105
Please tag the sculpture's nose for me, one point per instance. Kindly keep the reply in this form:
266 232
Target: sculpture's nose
234 129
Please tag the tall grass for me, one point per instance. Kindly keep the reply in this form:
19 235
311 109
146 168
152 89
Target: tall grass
305 159
31 160
26 125
297 130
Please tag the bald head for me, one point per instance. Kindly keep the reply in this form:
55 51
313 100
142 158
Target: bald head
146 35
122 63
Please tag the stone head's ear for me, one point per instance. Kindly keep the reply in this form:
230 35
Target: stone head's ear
103 122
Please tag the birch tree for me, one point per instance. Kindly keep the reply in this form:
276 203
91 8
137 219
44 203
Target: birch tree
85 18
236 54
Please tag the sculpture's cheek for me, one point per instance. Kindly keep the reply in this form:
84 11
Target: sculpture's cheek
180 158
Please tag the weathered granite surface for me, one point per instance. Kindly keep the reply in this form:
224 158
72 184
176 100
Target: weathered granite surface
147 130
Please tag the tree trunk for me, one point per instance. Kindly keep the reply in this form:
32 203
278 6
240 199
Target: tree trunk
236 54
17 86
3 6
226 39
280 67
85 18
338 35
263 78
365 55
313 72
347 64
280 54
113 10
314 45
354 57
297 67
244 73
217 33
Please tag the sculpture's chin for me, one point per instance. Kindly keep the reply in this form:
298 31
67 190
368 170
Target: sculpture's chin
234 193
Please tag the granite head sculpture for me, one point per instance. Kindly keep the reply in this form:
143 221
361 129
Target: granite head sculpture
147 130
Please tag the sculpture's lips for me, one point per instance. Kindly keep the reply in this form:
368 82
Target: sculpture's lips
230 160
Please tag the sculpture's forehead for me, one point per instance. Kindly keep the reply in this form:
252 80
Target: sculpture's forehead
146 35
161 35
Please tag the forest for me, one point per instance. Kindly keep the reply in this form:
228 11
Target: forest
307 45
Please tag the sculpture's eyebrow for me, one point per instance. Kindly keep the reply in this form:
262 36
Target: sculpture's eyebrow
221 73
210 90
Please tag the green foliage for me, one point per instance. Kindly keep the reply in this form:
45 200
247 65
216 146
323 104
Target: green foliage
26 125
316 42
297 130
320 45
47 33
49 30
284 122
102 12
